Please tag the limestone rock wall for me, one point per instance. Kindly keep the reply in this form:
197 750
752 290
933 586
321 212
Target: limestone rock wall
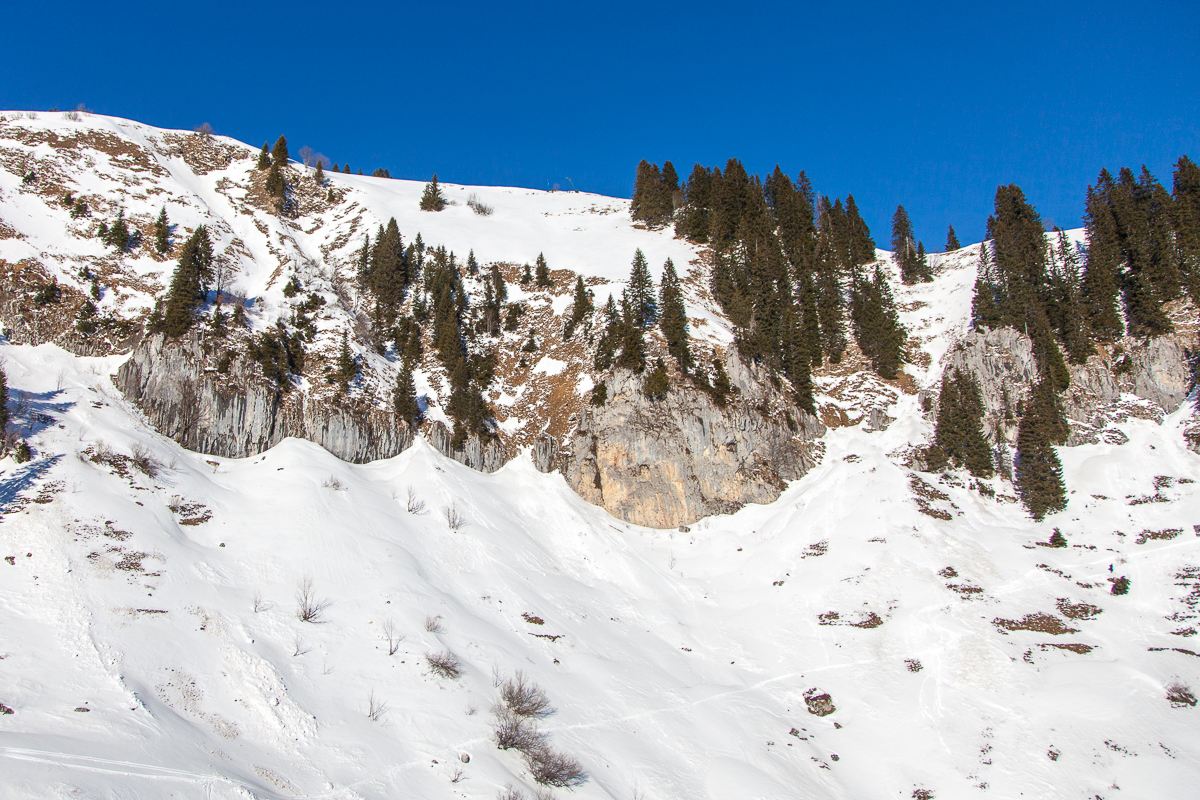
677 460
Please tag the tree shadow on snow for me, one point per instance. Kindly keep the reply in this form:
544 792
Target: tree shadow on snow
24 477
33 412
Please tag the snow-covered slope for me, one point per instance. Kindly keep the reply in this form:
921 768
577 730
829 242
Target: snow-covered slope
136 663
149 638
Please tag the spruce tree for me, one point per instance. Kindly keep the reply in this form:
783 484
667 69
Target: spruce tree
1038 470
162 232
543 272
640 292
985 312
472 264
431 199
657 383
691 222
279 153
1185 192
526 275
187 284
633 342
319 175
959 431
264 157
720 384
346 369
861 245
118 234
673 318
276 184
404 397
952 241
904 246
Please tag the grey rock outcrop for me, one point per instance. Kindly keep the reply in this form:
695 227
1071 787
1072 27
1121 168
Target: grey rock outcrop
476 454
240 414
675 461
1002 362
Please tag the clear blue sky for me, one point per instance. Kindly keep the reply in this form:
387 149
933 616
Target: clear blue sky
929 105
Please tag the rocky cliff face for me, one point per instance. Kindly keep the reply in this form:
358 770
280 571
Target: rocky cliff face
239 414
1106 389
677 460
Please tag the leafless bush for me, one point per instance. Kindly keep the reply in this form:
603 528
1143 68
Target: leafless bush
456 775
145 463
454 517
308 607
509 792
497 676
478 206
543 793
375 708
525 698
259 604
306 155
72 115
204 129
1180 694
393 640
434 625
415 506
332 482
549 767
445 664
513 732
299 646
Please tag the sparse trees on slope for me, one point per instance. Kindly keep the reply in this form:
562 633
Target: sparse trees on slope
952 241
404 397
162 232
1038 470
640 292
959 431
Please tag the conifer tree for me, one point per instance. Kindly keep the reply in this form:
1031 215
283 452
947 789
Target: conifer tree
276 184
1185 192
861 245
606 348
876 324
720 384
526 276
673 318
319 175
472 264
984 310
658 382
691 222
346 369
162 232
431 199
346 168
959 431
640 293
952 241
543 272
118 234
633 342
904 246
264 157
1066 305
279 153
581 308
923 264
404 397
187 284
1038 470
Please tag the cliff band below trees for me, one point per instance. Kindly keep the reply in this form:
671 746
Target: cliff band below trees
680 459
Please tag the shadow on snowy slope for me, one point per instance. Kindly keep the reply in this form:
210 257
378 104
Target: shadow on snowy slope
33 412
23 478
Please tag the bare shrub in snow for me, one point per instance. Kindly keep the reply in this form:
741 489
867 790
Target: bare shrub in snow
332 482
478 206
393 640
308 607
1180 694
204 129
525 698
145 463
376 708
299 646
543 793
513 732
456 775
415 506
259 604
549 767
434 625
454 517
509 792
444 664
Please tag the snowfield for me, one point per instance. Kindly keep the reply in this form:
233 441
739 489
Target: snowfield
136 664
873 633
